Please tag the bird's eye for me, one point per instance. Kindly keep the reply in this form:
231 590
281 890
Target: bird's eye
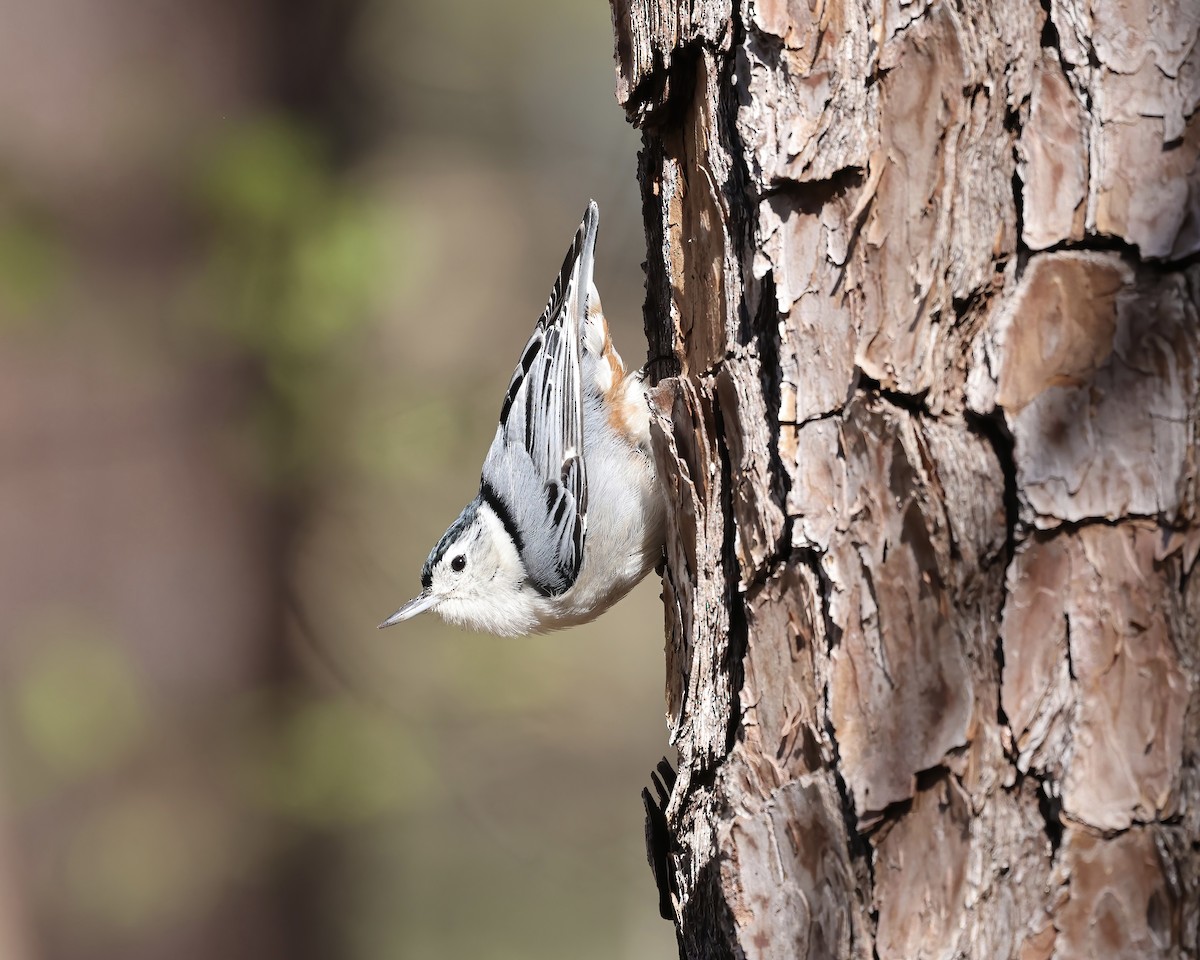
458 564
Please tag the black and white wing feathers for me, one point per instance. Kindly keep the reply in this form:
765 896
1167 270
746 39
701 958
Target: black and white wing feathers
534 476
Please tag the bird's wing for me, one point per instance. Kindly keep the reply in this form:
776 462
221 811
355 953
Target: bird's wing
534 477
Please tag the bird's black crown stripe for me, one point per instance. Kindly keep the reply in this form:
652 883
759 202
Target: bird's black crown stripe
449 538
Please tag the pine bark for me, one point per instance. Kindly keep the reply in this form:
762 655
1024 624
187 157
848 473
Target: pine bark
922 298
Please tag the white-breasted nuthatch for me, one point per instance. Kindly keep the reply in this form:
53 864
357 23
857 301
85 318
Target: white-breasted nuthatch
570 513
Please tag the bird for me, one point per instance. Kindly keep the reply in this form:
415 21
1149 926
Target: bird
571 512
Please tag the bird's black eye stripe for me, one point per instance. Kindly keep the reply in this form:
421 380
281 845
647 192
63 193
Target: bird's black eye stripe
458 564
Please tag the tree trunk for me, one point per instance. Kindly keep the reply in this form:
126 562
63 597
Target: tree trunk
922 287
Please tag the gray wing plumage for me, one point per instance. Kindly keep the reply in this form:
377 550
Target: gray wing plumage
534 476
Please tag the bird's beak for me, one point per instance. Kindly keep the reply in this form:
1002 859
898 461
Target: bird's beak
418 604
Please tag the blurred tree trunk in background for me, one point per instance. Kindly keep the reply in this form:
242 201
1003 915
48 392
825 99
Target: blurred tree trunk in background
928 276
150 497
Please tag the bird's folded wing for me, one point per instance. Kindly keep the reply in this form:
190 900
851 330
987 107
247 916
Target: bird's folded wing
534 476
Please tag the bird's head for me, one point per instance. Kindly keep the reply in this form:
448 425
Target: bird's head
474 578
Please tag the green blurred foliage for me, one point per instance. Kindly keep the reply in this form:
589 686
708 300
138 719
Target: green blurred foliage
383 443
78 703
329 762
294 257
264 175
295 250
33 265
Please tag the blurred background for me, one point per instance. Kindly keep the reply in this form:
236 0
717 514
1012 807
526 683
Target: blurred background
265 269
